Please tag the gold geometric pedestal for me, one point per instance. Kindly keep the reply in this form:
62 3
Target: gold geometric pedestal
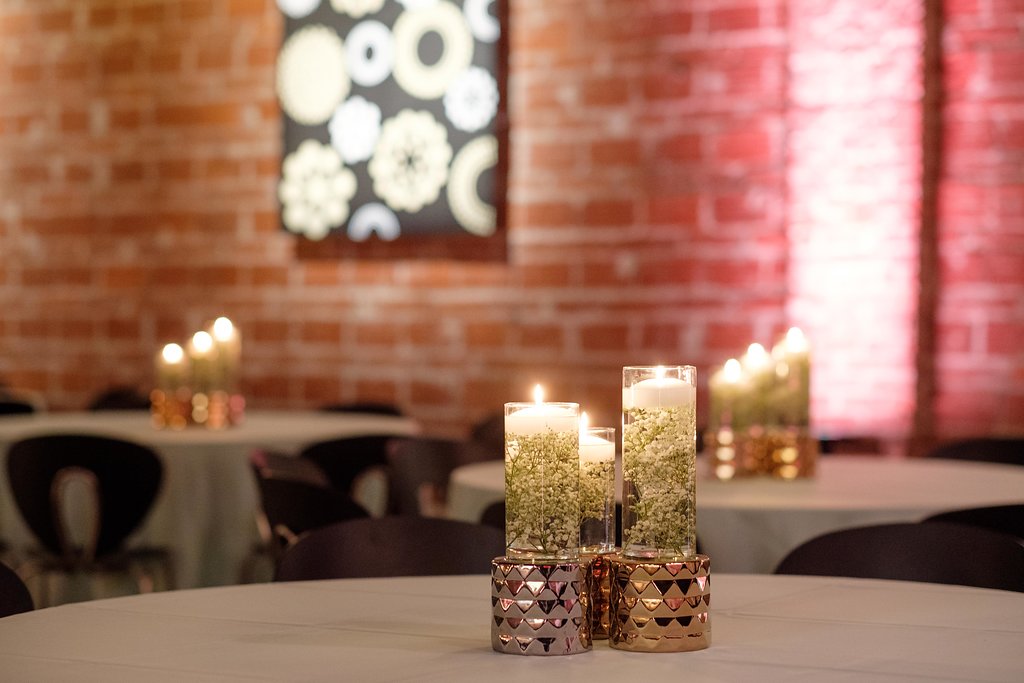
537 608
597 594
660 606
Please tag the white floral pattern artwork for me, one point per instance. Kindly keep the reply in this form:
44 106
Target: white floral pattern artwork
354 129
357 8
410 164
472 101
371 53
485 27
296 9
393 127
315 190
373 218
429 81
472 212
311 75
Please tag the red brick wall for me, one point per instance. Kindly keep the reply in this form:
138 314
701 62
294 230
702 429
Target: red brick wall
980 359
648 205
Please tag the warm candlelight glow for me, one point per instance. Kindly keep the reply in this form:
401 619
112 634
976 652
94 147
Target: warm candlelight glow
732 372
659 372
223 329
584 422
538 394
173 354
202 342
796 342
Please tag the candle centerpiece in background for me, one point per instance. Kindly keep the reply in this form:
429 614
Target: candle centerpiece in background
597 519
759 421
205 380
660 586
170 400
537 587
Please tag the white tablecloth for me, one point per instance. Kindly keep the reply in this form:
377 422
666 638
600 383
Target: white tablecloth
748 525
205 511
764 628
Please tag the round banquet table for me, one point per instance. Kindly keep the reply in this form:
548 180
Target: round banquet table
437 629
205 510
748 525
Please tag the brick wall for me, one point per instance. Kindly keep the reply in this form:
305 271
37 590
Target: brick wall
980 355
648 207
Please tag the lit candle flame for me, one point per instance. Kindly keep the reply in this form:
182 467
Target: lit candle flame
202 341
223 329
796 342
584 422
173 354
756 355
538 394
733 371
659 372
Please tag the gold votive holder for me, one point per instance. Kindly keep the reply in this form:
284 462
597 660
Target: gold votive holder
597 593
774 451
660 606
538 607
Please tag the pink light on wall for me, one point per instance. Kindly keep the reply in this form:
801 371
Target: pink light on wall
853 177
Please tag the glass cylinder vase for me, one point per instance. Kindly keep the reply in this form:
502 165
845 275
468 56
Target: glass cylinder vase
659 456
542 481
597 490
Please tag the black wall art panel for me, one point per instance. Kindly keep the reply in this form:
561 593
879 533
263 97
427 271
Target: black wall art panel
395 132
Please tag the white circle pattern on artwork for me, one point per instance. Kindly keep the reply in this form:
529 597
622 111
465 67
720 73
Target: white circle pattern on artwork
311 76
430 81
357 8
410 165
354 129
472 212
472 101
296 9
315 190
371 53
484 27
417 4
373 218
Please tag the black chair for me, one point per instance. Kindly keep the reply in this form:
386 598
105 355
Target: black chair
16 407
1009 451
420 468
1006 519
372 407
120 398
392 546
14 595
936 552
122 479
346 460
490 432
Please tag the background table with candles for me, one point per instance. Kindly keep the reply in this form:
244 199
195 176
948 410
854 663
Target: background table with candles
205 511
749 524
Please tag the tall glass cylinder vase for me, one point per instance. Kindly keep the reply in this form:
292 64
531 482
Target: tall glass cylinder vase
659 453
597 490
542 481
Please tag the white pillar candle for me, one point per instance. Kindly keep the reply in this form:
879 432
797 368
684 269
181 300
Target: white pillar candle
594 449
526 419
658 392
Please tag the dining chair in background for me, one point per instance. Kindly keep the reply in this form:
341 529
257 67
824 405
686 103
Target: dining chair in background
116 481
1006 450
354 465
119 398
933 552
400 545
1007 519
371 407
12 406
419 469
14 595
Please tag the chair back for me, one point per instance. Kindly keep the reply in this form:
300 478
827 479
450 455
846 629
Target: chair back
399 545
14 595
371 407
1006 450
936 552
295 499
120 398
344 460
126 477
15 407
420 468
1007 519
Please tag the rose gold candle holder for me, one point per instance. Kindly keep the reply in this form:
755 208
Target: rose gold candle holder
660 606
538 607
597 593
